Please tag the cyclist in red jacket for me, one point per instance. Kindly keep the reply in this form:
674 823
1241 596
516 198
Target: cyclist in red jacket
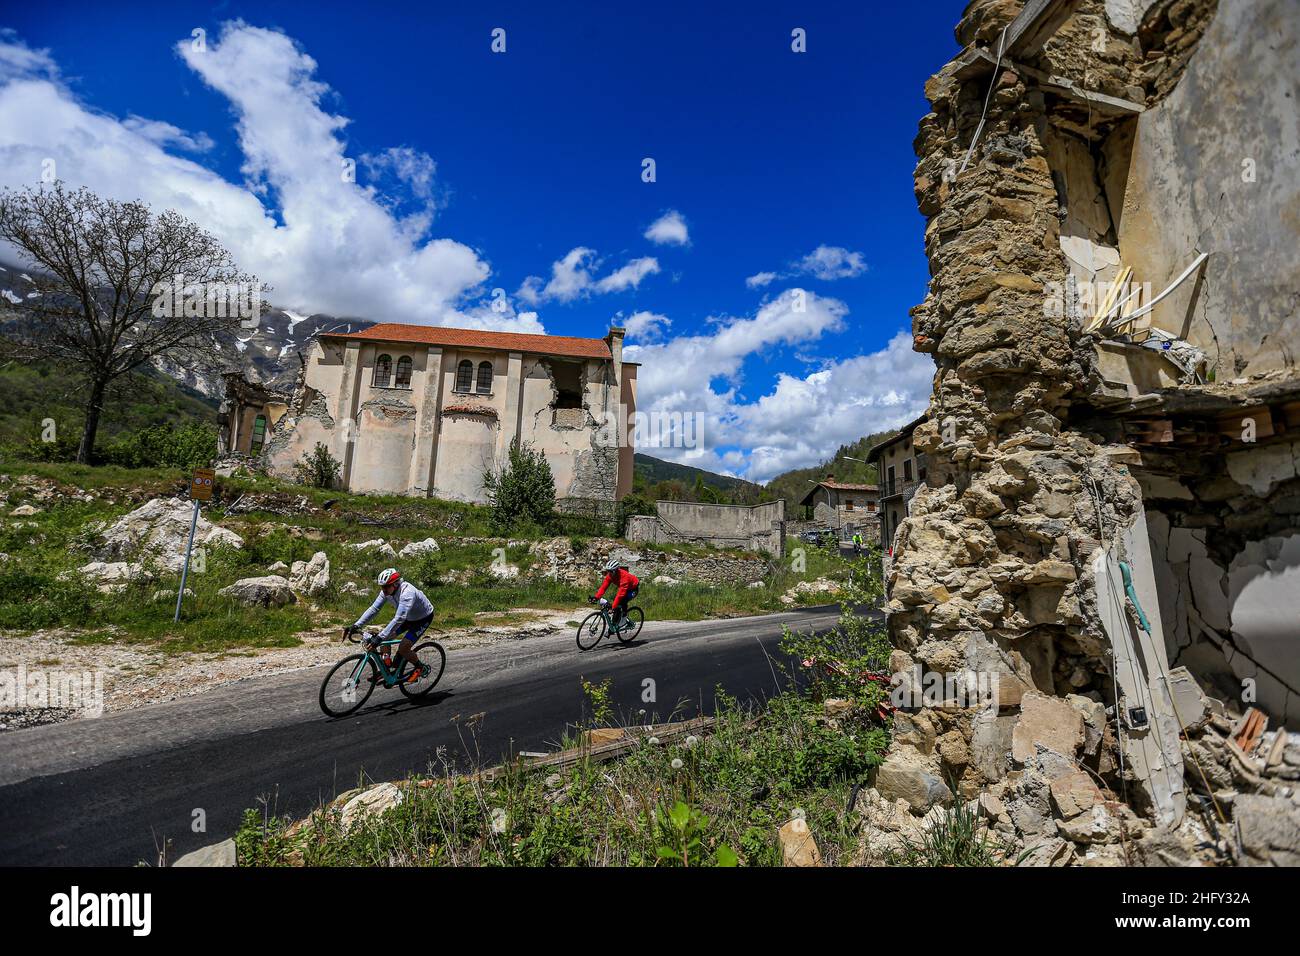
627 584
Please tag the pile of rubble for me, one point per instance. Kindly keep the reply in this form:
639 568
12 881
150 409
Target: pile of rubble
1059 793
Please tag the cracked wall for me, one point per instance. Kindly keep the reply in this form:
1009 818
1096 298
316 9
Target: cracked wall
996 567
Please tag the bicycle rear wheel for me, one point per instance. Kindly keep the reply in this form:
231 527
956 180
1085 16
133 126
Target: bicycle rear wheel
591 630
348 685
432 656
633 620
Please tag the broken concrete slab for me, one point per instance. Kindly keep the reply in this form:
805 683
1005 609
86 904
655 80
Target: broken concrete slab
1269 828
1048 722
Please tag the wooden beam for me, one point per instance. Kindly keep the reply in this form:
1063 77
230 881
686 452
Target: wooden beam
1035 24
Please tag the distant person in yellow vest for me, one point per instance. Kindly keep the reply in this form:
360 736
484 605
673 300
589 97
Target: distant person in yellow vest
857 544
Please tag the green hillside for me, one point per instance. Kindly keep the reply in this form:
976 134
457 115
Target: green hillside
793 485
31 393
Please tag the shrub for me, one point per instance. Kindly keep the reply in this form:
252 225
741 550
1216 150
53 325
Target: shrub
30 598
190 445
318 468
522 494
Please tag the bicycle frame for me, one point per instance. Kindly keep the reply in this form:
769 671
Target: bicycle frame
391 675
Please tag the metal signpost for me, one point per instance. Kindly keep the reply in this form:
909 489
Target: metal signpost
200 490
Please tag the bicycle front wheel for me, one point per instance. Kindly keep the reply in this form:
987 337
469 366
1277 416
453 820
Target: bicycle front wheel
433 657
632 622
348 685
591 630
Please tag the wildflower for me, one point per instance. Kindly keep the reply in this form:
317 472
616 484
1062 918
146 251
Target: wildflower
677 763
692 740
653 741
499 820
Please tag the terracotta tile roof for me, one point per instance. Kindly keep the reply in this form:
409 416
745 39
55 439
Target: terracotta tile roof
476 338
845 486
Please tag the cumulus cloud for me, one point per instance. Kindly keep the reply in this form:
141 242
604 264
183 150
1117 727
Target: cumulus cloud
669 230
825 262
832 262
799 419
165 134
646 326
324 242
573 277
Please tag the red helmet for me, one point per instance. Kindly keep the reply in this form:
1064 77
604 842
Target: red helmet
389 576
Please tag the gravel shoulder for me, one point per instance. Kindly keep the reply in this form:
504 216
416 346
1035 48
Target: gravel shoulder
137 675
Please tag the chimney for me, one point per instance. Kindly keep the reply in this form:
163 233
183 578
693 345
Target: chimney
615 342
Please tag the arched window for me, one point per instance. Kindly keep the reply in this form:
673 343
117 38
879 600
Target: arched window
383 371
258 437
485 376
465 376
403 372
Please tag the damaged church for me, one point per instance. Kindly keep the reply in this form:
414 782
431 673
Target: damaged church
1110 521
427 410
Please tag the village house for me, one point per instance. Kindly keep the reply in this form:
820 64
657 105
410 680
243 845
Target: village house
426 410
902 469
842 506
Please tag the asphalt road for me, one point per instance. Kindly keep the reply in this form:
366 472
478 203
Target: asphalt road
118 789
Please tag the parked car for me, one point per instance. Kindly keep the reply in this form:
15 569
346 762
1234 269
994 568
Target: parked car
820 537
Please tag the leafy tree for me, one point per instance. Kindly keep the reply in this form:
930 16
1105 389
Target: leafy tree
104 269
318 467
523 492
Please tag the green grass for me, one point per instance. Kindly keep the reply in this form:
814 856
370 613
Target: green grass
39 587
742 782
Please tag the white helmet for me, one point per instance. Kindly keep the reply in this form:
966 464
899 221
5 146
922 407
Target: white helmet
389 576
611 564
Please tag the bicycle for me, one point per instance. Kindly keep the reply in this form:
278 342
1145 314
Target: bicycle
596 624
352 680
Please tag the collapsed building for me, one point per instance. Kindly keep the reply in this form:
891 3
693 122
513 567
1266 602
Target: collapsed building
1110 521
427 411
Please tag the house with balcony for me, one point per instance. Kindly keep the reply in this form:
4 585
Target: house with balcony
902 471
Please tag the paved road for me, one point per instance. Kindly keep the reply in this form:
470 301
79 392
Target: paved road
112 791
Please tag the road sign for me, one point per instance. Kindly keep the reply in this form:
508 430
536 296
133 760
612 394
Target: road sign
201 485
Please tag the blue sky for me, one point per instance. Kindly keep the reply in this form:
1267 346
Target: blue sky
522 171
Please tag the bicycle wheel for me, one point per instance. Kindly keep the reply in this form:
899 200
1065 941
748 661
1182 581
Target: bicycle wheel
591 630
432 655
633 620
348 685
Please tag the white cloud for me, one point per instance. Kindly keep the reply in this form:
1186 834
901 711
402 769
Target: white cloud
327 244
825 262
629 276
646 326
165 134
572 277
669 229
19 61
800 420
832 262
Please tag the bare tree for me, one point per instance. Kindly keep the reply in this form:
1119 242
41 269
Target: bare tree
120 287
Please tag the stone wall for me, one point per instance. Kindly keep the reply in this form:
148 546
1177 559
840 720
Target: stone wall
754 527
996 567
